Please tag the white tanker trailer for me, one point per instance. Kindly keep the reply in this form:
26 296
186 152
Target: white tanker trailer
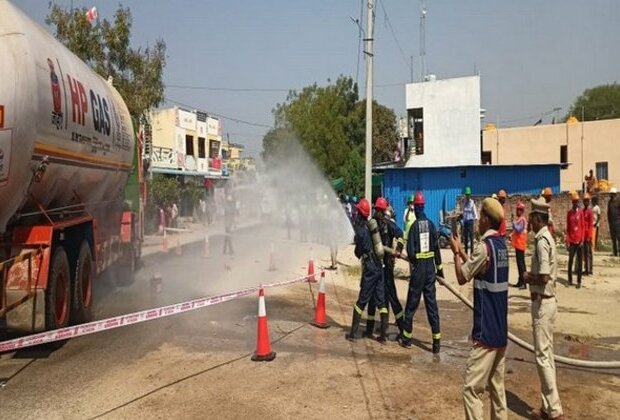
67 150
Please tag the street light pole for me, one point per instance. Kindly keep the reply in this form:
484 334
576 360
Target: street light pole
369 57
582 122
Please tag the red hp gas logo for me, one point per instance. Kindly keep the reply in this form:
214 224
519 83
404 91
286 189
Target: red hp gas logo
56 96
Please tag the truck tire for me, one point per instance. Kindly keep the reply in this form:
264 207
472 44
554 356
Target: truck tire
82 290
58 292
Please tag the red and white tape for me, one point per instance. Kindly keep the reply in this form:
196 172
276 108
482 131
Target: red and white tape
133 318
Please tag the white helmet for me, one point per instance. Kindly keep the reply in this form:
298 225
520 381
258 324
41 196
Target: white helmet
613 190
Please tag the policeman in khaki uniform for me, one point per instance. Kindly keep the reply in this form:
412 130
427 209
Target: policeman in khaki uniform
488 267
541 279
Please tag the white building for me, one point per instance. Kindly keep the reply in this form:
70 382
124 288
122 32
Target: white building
444 122
183 142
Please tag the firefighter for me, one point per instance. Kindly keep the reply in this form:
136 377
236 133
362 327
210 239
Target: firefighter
367 242
425 259
388 231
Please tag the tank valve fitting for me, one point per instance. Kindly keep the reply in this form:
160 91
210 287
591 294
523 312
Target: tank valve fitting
39 171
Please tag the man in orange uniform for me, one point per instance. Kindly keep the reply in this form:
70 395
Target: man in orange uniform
547 194
575 232
519 242
588 219
501 197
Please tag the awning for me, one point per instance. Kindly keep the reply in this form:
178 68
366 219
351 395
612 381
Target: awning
170 171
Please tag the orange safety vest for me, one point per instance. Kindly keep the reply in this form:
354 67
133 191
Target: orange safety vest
519 240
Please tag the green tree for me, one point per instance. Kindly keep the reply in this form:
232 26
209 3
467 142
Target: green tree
137 73
319 118
329 123
598 103
164 190
384 130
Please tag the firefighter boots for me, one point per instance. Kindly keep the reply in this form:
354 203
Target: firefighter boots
384 327
370 329
354 325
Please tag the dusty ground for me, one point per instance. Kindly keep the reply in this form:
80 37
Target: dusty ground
197 365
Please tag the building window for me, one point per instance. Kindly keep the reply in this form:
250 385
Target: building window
202 151
601 170
189 145
564 157
487 158
214 149
416 125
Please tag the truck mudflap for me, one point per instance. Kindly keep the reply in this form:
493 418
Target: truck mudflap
23 280
127 228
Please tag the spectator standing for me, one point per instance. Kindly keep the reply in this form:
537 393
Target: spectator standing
591 183
596 211
229 223
488 268
518 239
470 215
501 197
575 233
613 218
174 215
547 194
541 278
588 220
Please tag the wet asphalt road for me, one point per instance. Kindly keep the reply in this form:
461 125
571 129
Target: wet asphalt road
54 380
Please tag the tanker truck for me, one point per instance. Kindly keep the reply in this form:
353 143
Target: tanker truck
71 180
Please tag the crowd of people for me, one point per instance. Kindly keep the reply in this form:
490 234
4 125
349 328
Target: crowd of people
379 242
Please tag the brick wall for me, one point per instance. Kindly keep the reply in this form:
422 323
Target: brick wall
560 204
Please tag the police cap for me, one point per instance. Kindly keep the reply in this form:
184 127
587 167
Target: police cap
493 209
539 205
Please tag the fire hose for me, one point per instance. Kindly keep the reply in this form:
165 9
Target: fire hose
614 364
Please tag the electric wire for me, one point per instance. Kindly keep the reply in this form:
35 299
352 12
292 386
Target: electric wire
234 119
226 89
388 23
359 41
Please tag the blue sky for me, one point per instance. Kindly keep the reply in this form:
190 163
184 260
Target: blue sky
532 55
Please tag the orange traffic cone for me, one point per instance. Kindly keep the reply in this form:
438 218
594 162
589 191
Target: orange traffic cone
320 319
263 351
311 277
206 250
165 243
272 259
178 250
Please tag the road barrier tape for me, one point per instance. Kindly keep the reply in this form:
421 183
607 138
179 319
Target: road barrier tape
134 318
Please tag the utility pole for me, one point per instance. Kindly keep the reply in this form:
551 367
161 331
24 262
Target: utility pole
582 122
411 69
369 57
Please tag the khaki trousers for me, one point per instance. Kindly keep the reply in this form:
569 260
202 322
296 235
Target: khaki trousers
543 320
485 367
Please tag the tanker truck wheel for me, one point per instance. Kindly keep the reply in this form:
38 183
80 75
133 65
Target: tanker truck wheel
82 290
57 294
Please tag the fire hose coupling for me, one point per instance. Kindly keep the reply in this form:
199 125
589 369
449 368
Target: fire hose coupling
40 169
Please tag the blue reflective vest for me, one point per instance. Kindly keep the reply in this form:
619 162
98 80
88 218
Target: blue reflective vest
491 297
